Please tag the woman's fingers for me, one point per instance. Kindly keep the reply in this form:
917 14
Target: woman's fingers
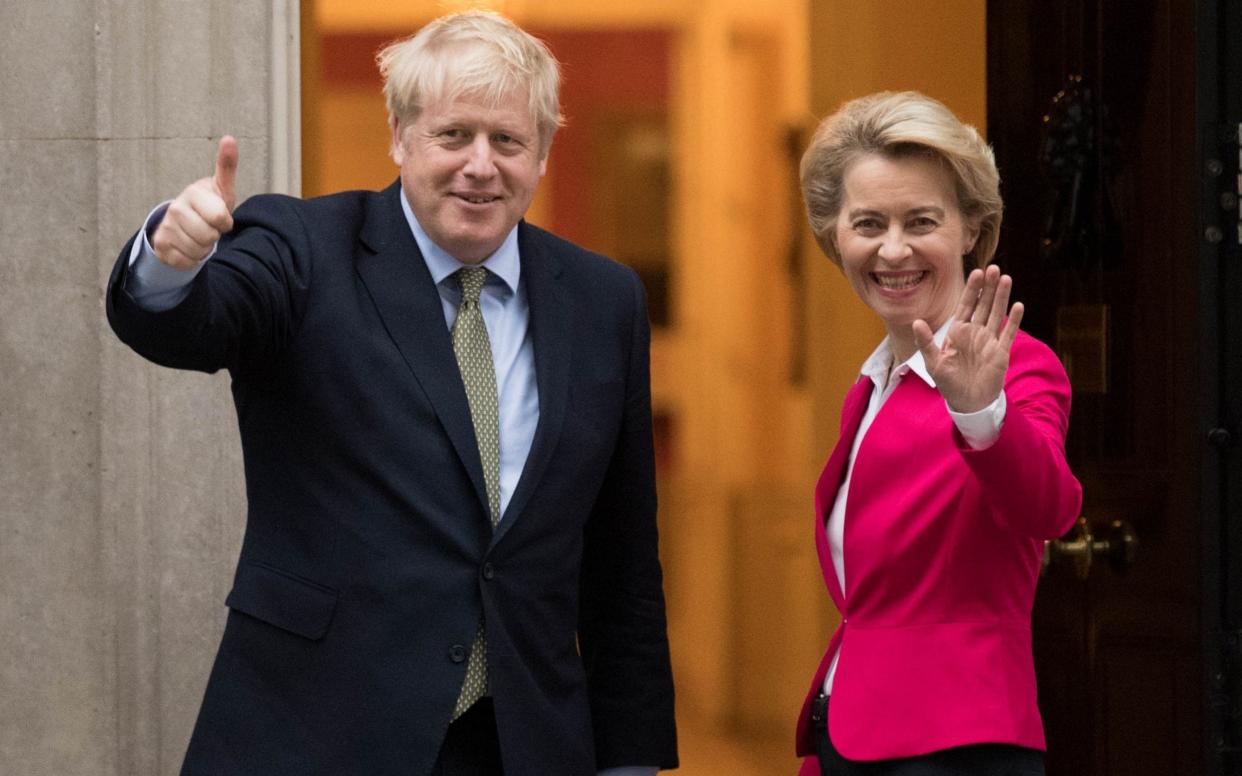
970 296
983 303
924 340
987 293
923 335
1011 328
1000 303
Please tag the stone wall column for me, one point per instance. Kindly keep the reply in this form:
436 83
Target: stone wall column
121 495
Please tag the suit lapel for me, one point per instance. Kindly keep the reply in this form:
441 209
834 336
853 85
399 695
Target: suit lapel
393 270
830 479
852 412
550 318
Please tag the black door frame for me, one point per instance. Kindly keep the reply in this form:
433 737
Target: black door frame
1219 122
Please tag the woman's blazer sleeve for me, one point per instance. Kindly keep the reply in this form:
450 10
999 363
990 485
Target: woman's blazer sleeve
1024 473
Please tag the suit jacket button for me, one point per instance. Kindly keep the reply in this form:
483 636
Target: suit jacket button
458 653
488 571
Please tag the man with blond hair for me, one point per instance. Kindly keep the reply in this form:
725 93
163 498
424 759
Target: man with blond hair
450 560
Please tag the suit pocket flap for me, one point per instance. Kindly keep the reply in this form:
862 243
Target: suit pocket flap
296 605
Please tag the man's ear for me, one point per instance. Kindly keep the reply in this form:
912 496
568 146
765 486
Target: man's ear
543 158
397 149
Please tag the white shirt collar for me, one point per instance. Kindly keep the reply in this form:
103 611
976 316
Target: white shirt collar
504 263
877 364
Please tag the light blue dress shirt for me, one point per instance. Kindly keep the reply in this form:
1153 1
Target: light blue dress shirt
506 313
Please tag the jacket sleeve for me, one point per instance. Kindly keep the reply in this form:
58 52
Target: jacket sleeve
1025 473
622 631
242 308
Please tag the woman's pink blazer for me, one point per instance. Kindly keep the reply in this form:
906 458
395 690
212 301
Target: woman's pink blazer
942 549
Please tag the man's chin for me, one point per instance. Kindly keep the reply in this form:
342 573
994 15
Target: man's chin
472 248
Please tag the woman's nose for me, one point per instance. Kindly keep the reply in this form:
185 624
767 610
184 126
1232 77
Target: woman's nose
894 247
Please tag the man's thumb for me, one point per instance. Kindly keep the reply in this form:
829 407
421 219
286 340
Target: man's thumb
225 176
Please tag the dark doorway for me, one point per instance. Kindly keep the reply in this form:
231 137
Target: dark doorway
1111 124
1220 133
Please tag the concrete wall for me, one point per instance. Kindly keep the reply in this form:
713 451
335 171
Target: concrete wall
121 502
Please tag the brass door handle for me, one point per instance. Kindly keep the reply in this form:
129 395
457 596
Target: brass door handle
1118 545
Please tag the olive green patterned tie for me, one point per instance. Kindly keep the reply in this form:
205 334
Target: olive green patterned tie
474 359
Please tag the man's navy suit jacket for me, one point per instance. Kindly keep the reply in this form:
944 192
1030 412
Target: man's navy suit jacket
368 555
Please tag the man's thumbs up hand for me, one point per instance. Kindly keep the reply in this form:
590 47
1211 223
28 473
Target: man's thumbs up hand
201 213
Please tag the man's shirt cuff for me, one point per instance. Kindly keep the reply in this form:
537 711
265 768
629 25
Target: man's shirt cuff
151 283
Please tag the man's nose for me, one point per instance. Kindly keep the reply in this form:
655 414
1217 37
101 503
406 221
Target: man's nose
480 162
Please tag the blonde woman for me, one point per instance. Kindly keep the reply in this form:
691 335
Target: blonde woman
950 469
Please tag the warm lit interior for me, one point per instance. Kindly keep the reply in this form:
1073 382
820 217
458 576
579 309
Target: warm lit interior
686 122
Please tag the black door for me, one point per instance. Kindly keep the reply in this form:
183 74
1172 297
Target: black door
1106 116
1220 137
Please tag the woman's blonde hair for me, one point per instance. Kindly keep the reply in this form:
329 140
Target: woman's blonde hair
475 53
896 124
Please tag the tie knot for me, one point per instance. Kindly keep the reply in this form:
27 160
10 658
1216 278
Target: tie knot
471 280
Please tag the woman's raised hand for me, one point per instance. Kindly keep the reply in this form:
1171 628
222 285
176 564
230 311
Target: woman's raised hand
969 368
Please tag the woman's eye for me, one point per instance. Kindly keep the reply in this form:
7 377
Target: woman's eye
923 224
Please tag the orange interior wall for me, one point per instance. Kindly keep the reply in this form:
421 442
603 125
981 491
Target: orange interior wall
605 71
937 48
